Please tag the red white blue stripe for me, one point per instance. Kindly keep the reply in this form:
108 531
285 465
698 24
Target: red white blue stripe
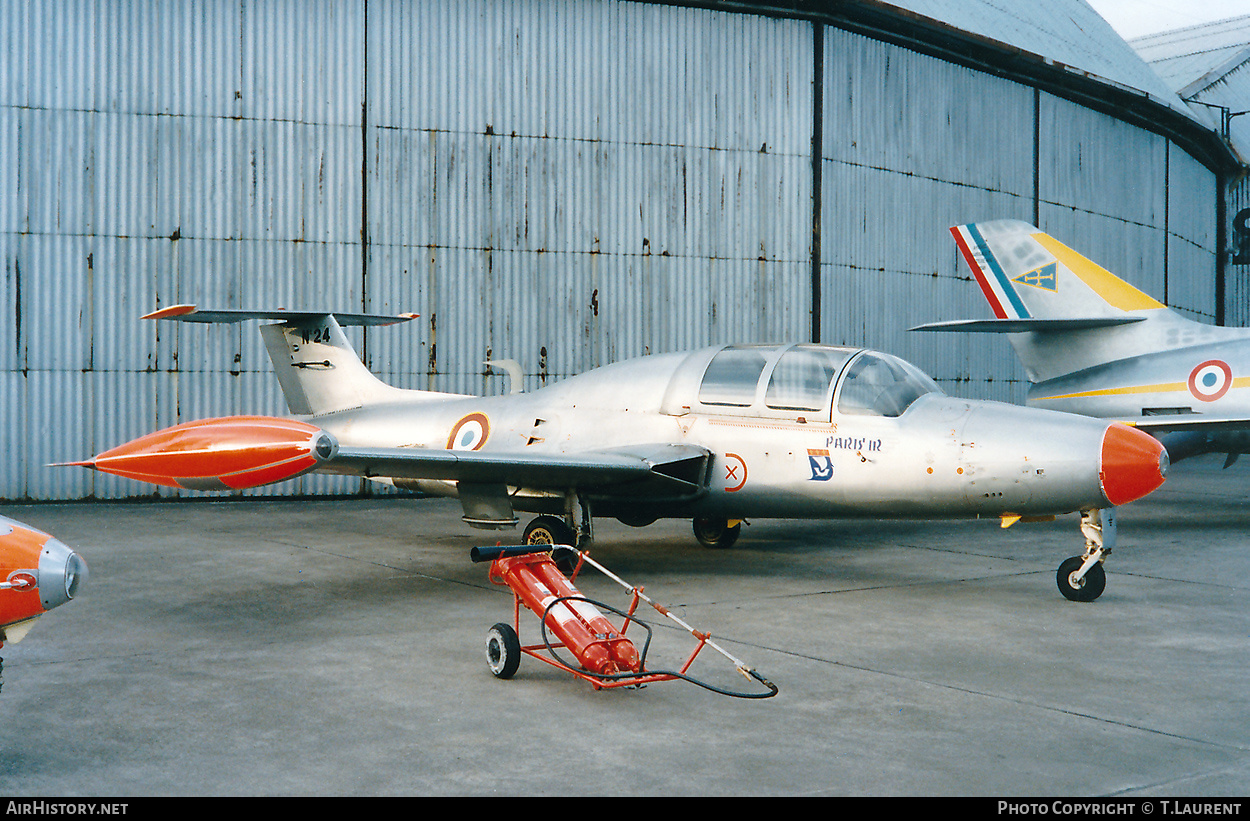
994 283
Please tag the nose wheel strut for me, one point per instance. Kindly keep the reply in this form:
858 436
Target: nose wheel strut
1082 578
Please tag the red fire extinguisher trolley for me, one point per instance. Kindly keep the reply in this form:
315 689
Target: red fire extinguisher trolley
605 656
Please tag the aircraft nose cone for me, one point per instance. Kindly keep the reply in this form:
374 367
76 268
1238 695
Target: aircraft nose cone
1133 464
62 573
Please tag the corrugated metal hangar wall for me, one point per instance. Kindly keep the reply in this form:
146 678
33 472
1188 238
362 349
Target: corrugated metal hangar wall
1230 94
562 183
1208 66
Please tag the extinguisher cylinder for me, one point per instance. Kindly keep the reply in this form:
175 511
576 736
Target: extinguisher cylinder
578 624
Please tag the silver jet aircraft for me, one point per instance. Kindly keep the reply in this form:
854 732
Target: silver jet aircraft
1093 344
717 435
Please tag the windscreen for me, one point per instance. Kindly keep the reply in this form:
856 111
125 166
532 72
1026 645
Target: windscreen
881 385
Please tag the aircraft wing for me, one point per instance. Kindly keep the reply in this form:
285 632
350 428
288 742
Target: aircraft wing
678 470
1166 423
238 452
1015 326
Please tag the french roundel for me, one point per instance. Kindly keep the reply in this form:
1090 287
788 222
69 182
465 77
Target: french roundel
1210 380
469 433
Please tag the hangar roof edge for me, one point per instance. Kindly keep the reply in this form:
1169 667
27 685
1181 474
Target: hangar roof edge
1190 58
1065 49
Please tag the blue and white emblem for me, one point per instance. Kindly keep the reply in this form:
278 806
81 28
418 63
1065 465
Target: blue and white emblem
821 464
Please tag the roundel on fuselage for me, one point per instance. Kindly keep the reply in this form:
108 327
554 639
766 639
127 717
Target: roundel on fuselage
470 433
1210 380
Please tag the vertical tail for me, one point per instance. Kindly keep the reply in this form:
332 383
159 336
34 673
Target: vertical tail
1063 312
318 369
1026 274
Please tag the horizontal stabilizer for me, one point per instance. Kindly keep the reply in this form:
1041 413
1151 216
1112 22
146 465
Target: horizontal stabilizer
190 313
317 367
1015 326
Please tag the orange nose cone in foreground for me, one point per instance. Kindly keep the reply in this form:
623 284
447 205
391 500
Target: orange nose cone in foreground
1133 464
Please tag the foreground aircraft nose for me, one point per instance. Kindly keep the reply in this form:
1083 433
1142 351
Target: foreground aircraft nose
1132 464
62 572
37 573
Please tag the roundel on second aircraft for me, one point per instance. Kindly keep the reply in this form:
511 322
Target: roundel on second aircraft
470 433
1210 380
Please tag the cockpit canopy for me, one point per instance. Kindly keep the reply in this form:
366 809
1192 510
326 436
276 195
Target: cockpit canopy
807 380
878 384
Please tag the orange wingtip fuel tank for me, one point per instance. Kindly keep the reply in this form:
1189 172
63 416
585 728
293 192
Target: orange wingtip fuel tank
37 573
227 453
1133 464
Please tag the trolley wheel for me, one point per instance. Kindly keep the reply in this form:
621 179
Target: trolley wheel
716 532
1088 588
549 530
503 650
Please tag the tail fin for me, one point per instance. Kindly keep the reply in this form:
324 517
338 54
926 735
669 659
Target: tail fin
1062 311
316 366
318 369
1026 274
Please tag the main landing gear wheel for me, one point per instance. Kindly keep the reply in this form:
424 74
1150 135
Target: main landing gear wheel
550 530
718 533
1086 589
503 650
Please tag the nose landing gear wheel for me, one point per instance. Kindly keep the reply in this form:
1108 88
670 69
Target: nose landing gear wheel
718 533
503 650
1086 589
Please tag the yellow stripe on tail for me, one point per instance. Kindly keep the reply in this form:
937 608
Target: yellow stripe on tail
1116 292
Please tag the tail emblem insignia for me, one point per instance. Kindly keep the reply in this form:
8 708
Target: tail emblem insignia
1043 278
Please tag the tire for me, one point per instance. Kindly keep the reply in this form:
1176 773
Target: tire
1091 586
550 530
716 533
503 650
554 531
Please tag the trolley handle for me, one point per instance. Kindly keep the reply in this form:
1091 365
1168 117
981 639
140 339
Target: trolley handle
489 554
